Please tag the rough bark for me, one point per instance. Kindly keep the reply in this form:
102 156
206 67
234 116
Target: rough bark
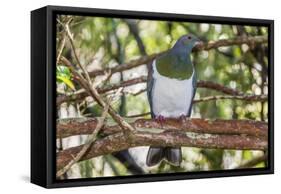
79 126
118 141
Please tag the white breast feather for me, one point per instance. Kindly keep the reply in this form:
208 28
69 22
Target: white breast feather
171 97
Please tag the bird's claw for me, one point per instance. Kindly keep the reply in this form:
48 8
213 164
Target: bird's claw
160 119
182 117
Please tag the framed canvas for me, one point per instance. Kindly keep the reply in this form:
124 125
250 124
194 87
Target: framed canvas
126 96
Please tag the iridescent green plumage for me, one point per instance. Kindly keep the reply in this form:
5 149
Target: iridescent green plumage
175 66
176 63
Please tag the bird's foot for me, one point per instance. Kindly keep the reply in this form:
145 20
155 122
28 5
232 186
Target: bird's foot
160 119
182 117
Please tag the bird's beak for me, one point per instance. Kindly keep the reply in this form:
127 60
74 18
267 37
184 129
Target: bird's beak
197 44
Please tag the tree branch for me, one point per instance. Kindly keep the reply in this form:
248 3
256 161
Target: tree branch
78 126
135 31
207 46
218 87
78 96
61 47
83 94
260 98
118 141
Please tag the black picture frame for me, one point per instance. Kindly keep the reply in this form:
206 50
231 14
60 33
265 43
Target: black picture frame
43 93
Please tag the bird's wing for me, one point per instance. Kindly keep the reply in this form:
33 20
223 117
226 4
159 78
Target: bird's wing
194 82
150 82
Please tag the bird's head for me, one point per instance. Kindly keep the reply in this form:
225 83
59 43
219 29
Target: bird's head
187 41
176 62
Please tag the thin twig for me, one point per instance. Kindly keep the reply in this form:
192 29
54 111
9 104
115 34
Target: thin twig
138 92
260 98
70 37
61 47
138 115
62 44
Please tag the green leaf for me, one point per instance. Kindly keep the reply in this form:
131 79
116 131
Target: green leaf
63 71
67 81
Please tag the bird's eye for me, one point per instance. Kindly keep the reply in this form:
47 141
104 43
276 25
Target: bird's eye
189 37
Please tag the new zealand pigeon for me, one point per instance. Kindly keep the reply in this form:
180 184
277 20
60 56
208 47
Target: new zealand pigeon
171 88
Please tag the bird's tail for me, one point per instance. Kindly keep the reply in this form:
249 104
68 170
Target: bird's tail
171 154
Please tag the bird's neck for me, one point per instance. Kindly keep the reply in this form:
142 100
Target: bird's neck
183 58
181 50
